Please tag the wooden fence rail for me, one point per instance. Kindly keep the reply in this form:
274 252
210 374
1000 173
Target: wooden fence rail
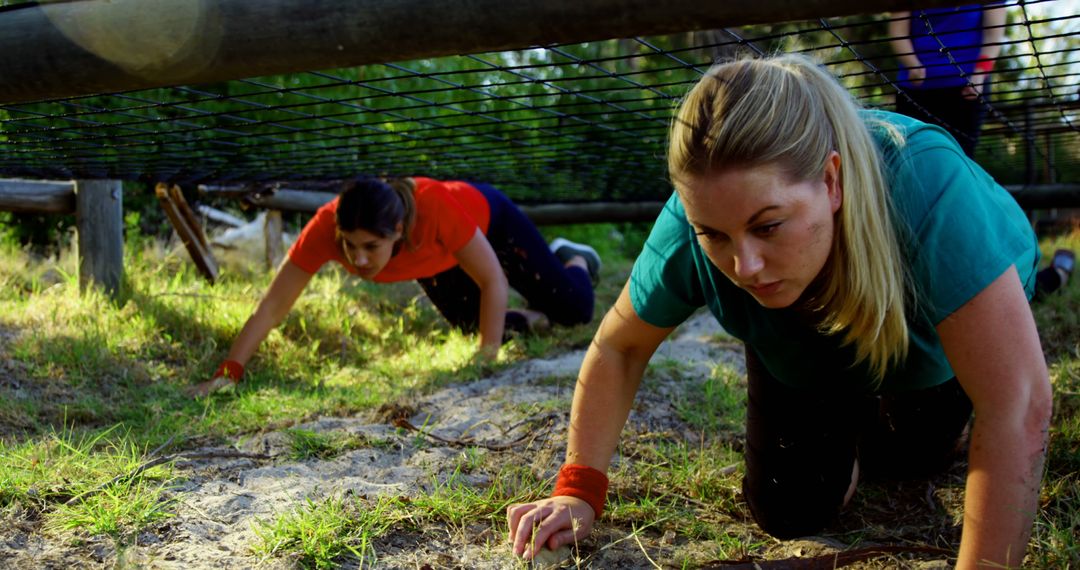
98 206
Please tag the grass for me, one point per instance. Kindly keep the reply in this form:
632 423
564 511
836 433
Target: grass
89 386
80 480
320 534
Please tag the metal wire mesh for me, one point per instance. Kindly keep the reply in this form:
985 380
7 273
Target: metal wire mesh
581 122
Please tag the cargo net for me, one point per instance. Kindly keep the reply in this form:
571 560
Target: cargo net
582 122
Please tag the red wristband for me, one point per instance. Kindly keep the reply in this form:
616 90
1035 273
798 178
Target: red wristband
984 65
230 370
583 482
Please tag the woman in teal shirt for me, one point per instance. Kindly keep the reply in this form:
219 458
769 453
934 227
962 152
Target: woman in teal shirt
880 283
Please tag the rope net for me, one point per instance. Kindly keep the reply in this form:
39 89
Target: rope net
558 123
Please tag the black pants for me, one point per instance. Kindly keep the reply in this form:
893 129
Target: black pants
947 108
801 445
564 294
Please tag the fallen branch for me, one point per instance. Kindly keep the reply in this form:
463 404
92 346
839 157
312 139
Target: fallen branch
158 461
468 441
826 561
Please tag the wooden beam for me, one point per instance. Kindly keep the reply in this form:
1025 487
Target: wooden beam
37 196
592 212
541 214
100 223
1030 197
65 49
1046 196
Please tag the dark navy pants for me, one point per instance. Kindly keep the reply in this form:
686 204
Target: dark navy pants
801 445
564 294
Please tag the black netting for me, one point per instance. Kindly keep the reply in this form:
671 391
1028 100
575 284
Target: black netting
579 122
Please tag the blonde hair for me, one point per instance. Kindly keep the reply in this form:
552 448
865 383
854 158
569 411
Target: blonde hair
787 110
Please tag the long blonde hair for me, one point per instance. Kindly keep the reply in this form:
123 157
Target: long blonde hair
787 110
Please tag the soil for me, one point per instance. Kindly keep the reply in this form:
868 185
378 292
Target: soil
226 491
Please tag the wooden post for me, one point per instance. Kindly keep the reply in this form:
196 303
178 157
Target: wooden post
99 213
275 245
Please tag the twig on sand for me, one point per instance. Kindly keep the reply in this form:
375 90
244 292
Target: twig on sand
826 561
470 442
160 460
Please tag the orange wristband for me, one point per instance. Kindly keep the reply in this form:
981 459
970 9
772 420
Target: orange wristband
583 482
230 370
984 65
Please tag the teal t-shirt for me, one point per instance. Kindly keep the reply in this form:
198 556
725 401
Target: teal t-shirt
959 230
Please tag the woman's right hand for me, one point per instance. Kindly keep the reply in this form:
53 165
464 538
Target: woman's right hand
550 523
204 389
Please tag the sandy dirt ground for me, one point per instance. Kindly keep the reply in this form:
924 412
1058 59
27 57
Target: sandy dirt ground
225 492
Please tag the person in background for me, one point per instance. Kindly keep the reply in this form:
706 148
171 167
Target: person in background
946 56
879 281
464 243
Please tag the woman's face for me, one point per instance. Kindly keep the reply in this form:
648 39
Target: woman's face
768 234
368 252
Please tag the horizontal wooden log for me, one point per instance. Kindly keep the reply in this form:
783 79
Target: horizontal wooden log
540 214
1030 198
83 47
1045 196
37 196
592 212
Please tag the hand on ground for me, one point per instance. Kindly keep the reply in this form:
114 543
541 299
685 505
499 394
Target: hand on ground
209 387
549 523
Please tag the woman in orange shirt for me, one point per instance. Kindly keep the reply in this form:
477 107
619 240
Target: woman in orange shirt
464 243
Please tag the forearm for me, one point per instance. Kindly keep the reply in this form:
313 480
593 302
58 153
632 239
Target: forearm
602 399
993 33
255 330
1001 499
900 32
492 314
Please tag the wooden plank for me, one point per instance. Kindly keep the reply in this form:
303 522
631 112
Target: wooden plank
100 224
1046 196
37 196
188 229
63 49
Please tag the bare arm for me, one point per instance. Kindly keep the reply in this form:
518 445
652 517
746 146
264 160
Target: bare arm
993 346
606 386
478 259
284 290
279 299
993 31
900 34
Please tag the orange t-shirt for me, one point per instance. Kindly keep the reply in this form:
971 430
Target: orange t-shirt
447 216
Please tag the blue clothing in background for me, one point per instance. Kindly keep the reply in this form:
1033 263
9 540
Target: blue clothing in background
939 33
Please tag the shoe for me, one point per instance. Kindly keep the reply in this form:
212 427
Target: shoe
1063 261
565 250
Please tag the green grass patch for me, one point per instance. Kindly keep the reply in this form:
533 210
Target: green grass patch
718 404
323 534
92 482
307 444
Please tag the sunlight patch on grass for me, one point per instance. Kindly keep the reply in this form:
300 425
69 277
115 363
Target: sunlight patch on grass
85 481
